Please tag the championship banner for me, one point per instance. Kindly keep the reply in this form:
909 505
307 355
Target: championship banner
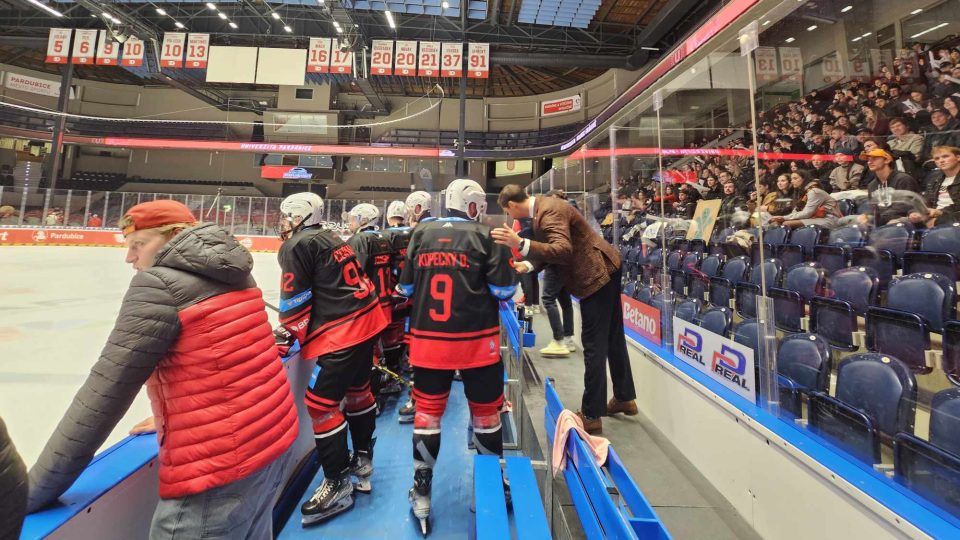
882 60
479 58
405 61
198 50
791 63
171 52
451 59
429 59
725 361
84 47
104 238
642 319
341 61
560 106
860 69
765 59
58 45
318 56
832 68
381 57
108 50
132 52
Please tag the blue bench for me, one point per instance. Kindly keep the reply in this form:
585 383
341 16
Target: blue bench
493 523
607 500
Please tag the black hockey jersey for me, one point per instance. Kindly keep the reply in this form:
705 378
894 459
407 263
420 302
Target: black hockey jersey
326 300
456 276
375 255
399 238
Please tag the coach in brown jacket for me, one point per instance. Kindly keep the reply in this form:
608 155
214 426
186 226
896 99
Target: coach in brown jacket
590 269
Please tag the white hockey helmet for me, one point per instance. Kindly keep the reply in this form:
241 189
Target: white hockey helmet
466 196
417 204
397 209
363 215
298 211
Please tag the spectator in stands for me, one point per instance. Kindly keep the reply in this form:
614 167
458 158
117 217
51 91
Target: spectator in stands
847 174
815 206
944 131
952 103
192 319
875 120
51 219
731 203
903 139
94 222
784 197
916 105
714 189
760 201
840 140
686 203
590 269
942 193
890 206
821 169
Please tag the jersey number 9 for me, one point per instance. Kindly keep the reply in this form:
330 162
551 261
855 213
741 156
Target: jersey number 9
441 290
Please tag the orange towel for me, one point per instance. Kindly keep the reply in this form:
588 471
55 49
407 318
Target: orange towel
567 421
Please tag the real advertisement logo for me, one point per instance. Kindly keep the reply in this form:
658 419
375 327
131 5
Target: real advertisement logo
731 365
690 344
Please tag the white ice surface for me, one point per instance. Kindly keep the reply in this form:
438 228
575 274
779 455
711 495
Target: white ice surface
57 307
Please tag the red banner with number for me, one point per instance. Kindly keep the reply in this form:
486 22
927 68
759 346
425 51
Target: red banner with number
108 50
429 59
84 47
405 59
451 60
341 61
478 61
171 52
381 57
198 49
58 45
132 52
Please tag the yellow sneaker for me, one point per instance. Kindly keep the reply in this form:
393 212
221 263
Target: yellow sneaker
555 348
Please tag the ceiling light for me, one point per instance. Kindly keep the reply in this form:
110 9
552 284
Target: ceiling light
211 5
789 40
846 9
337 28
287 29
233 25
390 20
931 29
46 8
649 48
160 11
275 15
914 12
811 28
445 4
766 22
867 34
856 39
336 25
320 2
178 24
222 15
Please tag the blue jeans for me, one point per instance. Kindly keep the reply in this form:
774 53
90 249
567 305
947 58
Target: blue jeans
553 293
241 510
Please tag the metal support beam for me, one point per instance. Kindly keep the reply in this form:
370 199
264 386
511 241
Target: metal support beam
59 126
461 126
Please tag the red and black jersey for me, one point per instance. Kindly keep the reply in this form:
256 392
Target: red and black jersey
456 276
399 238
326 300
375 255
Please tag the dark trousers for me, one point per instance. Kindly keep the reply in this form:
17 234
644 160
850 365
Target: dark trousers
603 339
554 293
531 288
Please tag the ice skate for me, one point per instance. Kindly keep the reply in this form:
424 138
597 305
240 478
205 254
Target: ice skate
419 498
361 468
407 412
392 387
331 498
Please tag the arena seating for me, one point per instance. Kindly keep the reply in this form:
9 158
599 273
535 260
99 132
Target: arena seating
803 367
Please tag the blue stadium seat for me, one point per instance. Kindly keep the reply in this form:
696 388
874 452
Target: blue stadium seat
688 309
942 239
857 285
884 250
875 393
776 236
832 258
808 279
748 333
678 281
951 351
849 236
801 244
901 334
945 264
788 309
652 264
834 317
932 468
771 268
803 366
736 269
716 319
931 296
745 299
690 262
721 292
630 289
710 266
645 294
674 260
699 281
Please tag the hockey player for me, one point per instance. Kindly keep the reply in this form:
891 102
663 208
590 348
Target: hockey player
392 338
331 307
456 275
417 208
375 255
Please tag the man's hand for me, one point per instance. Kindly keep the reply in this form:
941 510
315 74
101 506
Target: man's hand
522 267
506 236
146 426
777 219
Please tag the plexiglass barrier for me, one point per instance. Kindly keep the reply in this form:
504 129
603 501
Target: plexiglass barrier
785 203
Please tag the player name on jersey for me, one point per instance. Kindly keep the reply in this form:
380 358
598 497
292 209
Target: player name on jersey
447 260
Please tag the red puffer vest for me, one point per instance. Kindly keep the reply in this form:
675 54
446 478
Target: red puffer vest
221 396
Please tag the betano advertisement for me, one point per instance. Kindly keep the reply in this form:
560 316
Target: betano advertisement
727 362
101 238
641 318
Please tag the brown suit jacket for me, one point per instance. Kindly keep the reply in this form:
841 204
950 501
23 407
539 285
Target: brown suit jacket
562 237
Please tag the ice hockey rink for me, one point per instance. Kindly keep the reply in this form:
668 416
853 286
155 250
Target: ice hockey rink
59 305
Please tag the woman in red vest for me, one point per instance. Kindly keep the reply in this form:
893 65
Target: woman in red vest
193 328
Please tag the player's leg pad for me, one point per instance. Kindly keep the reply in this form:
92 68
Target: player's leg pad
487 430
